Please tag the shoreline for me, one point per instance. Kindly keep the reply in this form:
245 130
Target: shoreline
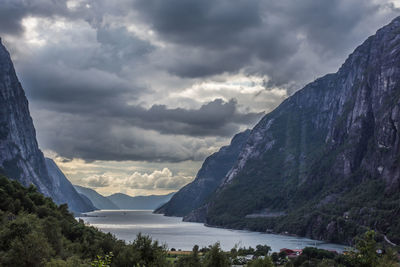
269 231
202 234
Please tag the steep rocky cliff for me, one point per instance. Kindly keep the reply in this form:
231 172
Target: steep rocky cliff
209 177
20 156
64 191
326 162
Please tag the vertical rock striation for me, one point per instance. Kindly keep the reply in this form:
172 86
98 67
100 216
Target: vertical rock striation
328 157
20 156
209 177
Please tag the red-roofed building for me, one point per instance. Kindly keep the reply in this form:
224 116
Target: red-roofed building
292 253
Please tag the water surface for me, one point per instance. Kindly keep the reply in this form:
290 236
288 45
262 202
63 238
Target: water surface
126 224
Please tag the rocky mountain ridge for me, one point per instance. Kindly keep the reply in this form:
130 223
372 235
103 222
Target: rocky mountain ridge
208 178
20 156
328 157
65 192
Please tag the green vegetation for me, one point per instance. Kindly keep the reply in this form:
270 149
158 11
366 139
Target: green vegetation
34 231
327 189
349 215
296 177
366 254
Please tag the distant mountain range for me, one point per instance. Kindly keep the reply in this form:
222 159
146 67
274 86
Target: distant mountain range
139 202
208 178
324 164
65 190
123 201
20 156
98 200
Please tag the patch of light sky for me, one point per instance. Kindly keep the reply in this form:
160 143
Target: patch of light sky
120 173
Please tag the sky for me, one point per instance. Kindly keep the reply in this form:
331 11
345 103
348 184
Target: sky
132 95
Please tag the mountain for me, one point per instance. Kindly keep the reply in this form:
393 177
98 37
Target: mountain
20 156
122 201
325 163
98 200
65 191
140 202
87 201
209 177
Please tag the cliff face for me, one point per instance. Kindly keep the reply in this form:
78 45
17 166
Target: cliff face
20 156
65 192
209 177
328 157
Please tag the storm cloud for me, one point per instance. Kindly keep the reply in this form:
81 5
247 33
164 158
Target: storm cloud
135 133
169 80
273 37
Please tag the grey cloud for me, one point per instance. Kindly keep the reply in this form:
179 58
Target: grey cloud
216 118
62 86
213 37
98 138
86 91
13 11
84 88
198 23
329 25
87 75
118 49
98 180
201 62
94 93
265 37
209 37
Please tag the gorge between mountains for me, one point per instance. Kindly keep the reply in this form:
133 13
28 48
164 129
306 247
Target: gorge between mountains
325 164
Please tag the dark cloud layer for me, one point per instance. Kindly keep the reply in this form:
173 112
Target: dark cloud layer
86 85
99 138
13 11
232 35
201 23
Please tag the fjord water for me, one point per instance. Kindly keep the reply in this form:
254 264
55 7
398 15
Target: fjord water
126 224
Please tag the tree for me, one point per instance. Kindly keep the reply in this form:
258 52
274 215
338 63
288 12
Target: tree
31 251
366 246
193 260
266 262
102 261
262 250
274 257
216 257
142 252
282 255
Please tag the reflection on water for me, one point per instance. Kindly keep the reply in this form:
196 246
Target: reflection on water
126 224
